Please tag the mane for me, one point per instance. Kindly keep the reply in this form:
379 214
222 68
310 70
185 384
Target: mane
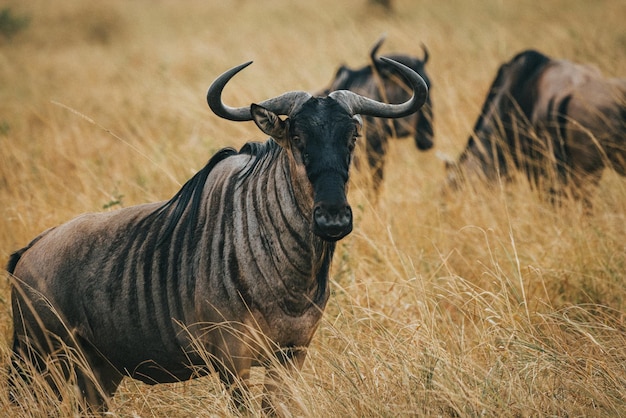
264 152
534 65
190 195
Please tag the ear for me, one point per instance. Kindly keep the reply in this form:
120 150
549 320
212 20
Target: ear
359 120
269 123
341 78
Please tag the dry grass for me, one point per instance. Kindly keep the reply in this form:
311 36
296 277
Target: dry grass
485 303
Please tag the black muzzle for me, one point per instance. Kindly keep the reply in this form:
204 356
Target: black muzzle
332 222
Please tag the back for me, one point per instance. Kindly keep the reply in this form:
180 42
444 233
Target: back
559 79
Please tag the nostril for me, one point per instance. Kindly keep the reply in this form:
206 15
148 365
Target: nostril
332 222
332 216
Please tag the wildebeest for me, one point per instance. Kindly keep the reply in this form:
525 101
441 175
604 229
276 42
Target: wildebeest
236 263
557 121
382 81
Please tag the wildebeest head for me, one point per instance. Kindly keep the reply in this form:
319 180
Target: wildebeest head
319 135
382 81
503 118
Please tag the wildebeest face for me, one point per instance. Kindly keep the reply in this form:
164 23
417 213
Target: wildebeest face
319 134
321 137
470 167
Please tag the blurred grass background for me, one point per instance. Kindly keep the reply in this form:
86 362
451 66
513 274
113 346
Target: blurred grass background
485 303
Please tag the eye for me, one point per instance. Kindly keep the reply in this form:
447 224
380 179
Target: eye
353 140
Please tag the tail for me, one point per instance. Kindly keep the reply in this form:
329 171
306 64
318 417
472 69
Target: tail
560 145
16 372
619 165
15 257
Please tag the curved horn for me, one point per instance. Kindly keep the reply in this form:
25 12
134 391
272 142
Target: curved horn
376 47
281 105
357 104
426 55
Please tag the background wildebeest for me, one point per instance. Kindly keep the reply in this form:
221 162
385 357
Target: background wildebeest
557 121
382 81
236 262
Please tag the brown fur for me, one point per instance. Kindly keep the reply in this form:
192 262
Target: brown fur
559 122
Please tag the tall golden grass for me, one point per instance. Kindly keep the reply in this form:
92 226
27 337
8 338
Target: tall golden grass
486 303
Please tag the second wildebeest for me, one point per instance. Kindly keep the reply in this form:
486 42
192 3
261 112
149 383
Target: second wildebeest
559 122
231 272
381 81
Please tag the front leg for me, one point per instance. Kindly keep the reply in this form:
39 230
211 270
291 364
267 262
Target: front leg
236 383
233 361
288 360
